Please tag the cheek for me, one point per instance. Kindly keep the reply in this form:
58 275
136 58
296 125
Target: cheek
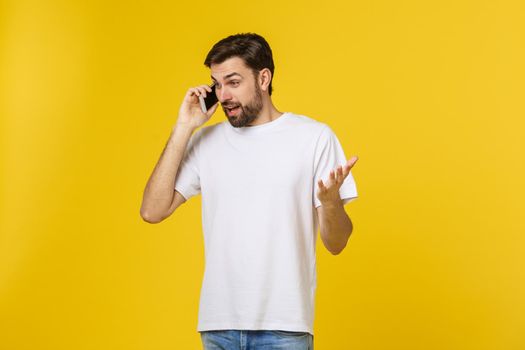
240 96
246 94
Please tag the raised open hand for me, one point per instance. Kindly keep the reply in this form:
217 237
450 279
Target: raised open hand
329 193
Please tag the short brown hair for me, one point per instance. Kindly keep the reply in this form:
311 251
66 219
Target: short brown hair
252 48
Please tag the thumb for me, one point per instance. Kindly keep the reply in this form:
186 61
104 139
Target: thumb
212 109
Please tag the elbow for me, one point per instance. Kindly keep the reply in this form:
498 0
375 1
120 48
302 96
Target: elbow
337 251
149 218
333 248
337 247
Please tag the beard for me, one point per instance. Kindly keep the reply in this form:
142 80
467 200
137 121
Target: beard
247 113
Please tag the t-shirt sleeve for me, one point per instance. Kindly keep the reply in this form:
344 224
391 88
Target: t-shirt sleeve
329 155
187 181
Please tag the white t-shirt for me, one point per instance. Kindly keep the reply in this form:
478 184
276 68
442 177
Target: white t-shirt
258 187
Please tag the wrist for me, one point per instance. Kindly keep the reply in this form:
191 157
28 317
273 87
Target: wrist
332 204
183 127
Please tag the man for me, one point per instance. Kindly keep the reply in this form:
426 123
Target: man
268 181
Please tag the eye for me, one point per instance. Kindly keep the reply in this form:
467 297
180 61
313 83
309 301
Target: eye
234 83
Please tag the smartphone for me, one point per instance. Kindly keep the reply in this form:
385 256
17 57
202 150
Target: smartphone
210 100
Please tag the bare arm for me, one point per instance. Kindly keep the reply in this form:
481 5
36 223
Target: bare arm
160 198
159 192
336 226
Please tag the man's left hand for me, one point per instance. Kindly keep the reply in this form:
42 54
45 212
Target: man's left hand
330 193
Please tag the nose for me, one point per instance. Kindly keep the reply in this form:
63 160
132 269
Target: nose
223 95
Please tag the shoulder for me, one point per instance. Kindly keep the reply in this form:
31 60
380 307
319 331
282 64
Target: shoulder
305 120
305 123
322 134
209 132
322 131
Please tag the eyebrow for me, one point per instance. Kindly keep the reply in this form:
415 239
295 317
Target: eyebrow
228 76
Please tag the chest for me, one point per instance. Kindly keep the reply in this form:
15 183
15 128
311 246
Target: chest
257 167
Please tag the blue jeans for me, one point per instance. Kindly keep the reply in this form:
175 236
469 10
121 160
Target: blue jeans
256 340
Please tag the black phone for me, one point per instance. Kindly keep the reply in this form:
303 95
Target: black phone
210 100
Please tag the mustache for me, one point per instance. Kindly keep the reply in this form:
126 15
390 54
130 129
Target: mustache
230 105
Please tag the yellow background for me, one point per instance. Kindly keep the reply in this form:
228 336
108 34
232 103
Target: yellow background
429 94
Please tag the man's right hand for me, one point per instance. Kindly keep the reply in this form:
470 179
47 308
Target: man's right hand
190 112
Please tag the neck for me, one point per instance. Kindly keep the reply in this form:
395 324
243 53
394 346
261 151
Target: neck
268 113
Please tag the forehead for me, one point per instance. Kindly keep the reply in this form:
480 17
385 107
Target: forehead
231 65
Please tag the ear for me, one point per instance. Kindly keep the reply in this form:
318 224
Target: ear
265 77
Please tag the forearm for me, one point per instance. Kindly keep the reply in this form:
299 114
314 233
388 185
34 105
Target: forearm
336 226
159 191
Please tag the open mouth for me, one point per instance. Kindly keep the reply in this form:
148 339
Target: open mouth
232 110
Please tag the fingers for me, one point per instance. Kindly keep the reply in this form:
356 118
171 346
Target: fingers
337 175
352 161
332 176
202 90
199 90
340 174
346 169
